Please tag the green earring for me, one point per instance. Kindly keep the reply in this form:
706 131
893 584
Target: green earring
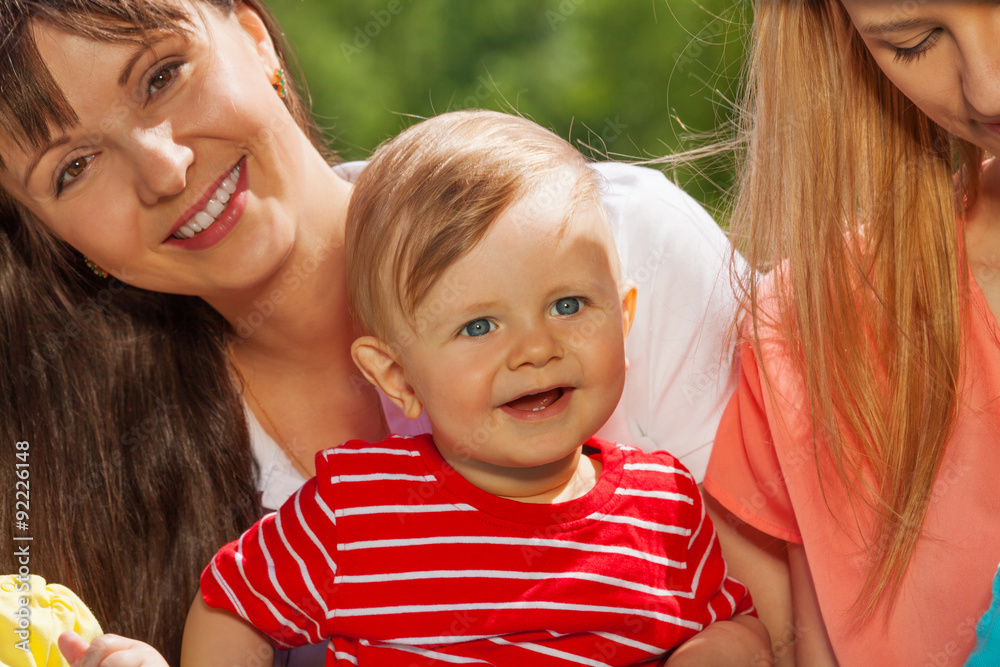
278 82
95 268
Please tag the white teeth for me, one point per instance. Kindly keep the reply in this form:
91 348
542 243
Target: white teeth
204 219
214 208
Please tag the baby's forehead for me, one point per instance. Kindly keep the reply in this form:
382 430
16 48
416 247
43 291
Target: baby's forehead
561 209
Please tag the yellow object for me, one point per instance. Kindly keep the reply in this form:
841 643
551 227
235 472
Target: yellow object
32 616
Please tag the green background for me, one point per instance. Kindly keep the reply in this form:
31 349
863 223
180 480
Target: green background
632 79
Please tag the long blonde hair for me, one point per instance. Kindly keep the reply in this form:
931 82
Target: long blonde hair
850 192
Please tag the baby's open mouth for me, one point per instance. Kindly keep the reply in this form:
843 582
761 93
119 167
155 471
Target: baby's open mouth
536 402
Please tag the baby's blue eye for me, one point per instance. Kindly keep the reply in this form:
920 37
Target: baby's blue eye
568 306
478 327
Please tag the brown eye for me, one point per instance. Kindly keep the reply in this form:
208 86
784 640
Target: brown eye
73 169
162 78
76 167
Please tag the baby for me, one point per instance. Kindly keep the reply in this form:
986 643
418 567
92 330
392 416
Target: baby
484 280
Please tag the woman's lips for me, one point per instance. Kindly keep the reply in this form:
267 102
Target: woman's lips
200 220
217 223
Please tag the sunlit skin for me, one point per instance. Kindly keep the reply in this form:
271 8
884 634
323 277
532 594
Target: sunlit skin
545 294
146 151
543 289
192 106
943 55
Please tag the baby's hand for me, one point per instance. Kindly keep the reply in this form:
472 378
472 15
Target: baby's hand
108 651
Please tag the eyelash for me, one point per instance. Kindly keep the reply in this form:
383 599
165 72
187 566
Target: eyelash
491 329
579 301
906 55
582 303
169 68
63 168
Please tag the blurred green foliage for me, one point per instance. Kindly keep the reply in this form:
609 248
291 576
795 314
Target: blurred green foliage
632 79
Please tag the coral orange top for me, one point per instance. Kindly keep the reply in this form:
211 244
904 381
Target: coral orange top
763 469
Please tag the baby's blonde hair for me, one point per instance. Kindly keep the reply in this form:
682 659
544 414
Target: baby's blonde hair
432 193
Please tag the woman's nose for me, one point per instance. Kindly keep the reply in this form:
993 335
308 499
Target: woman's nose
161 164
981 76
534 345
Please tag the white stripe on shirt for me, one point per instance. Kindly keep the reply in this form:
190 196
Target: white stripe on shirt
512 541
404 509
662 495
655 467
640 523
375 450
277 615
442 657
545 650
343 655
520 605
509 574
633 643
312 536
303 568
382 477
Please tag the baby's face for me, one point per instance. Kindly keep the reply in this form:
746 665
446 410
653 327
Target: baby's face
518 352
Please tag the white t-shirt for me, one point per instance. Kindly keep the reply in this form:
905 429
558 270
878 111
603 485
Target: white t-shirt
680 372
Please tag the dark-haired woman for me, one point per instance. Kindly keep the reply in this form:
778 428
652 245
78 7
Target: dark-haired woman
175 329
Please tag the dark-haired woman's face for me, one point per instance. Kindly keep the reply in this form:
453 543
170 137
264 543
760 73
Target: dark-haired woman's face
179 173
942 54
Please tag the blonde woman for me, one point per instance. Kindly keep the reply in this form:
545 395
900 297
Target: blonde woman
854 472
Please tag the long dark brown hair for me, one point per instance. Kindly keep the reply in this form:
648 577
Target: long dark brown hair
139 463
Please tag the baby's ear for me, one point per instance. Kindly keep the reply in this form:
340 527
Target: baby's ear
380 364
628 308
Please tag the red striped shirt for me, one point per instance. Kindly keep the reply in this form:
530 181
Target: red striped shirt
398 560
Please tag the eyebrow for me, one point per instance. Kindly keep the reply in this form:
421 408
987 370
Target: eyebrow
881 27
141 49
473 310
